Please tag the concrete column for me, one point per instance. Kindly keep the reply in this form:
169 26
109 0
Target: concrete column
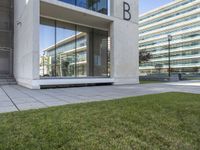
124 41
26 41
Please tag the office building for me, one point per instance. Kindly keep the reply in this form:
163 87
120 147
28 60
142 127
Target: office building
179 20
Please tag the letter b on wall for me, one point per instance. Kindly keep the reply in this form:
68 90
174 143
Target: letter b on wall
126 11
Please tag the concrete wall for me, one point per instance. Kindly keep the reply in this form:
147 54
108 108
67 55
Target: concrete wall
124 38
26 41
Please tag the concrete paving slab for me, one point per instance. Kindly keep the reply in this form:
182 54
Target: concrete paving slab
3 99
56 103
32 105
14 96
6 103
8 109
23 100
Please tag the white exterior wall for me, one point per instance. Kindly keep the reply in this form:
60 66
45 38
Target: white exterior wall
124 40
124 35
26 42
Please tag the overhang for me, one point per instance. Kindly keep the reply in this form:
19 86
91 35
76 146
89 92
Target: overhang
65 12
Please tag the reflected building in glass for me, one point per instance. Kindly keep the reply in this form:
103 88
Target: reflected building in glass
73 51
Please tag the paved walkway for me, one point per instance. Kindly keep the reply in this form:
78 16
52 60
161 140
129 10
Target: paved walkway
17 98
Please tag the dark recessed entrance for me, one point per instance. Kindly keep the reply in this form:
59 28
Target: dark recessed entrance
6 37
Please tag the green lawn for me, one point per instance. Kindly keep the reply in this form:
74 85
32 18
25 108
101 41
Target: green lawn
164 121
149 82
192 78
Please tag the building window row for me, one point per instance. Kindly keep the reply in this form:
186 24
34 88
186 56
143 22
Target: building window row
166 9
171 15
172 31
179 37
170 23
187 45
176 54
173 62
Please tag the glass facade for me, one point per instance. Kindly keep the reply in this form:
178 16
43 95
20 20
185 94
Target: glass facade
181 20
72 51
100 6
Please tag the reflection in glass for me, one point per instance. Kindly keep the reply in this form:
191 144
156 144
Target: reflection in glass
82 3
47 48
100 6
100 53
82 51
79 51
65 49
73 2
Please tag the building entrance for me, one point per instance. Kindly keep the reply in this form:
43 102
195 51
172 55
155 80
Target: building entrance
6 37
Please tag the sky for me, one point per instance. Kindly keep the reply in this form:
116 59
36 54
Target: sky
147 5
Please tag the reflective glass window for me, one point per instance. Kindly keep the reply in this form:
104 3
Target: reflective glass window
73 51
